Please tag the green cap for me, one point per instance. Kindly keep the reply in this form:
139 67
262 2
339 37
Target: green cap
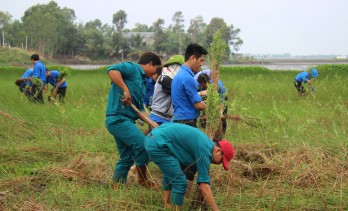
176 59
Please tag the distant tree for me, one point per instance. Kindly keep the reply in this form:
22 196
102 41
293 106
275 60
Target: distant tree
15 33
119 19
141 28
160 36
178 28
5 19
47 26
196 30
229 34
120 46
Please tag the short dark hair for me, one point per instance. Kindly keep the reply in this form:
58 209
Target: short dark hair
159 70
148 57
35 57
196 50
203 78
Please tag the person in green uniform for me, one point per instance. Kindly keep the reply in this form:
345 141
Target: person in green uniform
173 144
128 87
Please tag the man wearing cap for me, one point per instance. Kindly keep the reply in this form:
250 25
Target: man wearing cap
305 77
162 107
171 145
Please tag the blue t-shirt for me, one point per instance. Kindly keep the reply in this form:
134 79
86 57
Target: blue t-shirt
40 71
303 77
188 145
27 74
184 95
134 77
52 79
150 87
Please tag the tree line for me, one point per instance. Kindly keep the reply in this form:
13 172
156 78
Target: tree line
51 30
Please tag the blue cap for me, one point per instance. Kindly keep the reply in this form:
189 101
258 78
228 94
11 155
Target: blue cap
314 73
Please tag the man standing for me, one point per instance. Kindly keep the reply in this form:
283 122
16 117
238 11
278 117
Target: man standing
171 145
59 84
128 87
39 72
186 101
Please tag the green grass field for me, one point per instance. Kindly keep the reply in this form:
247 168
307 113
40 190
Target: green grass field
291 151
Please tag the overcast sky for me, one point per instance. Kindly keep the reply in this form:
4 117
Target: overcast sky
298 27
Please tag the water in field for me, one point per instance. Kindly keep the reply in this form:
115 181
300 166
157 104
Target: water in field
300 66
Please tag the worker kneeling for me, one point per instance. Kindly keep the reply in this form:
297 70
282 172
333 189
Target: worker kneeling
172 144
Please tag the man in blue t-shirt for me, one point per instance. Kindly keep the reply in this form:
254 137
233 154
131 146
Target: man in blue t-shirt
187 102
24 83
39 72
58 83
305 77
128 87
171 145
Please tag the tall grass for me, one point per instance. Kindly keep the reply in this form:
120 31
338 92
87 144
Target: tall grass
291 151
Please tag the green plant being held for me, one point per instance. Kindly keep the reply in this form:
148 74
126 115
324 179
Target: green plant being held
214 107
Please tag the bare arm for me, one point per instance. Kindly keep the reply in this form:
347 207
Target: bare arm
116 77
55 91
144 116
200 105
208 195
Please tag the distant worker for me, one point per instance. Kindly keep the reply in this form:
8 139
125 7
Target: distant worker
305 77
58 83
162 106
172 145
25 84
128 88
39 72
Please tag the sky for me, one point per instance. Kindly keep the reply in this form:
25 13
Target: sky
298 27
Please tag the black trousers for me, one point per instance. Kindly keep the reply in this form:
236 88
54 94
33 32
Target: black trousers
300 88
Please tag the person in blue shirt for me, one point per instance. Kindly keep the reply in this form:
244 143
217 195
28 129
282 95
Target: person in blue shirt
128 87
24 82
59 85
171 145
186 101
39 72
202 84
25 85
305 77
150 87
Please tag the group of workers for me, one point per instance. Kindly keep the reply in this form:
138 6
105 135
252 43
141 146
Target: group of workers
34 82
174 144
174 94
